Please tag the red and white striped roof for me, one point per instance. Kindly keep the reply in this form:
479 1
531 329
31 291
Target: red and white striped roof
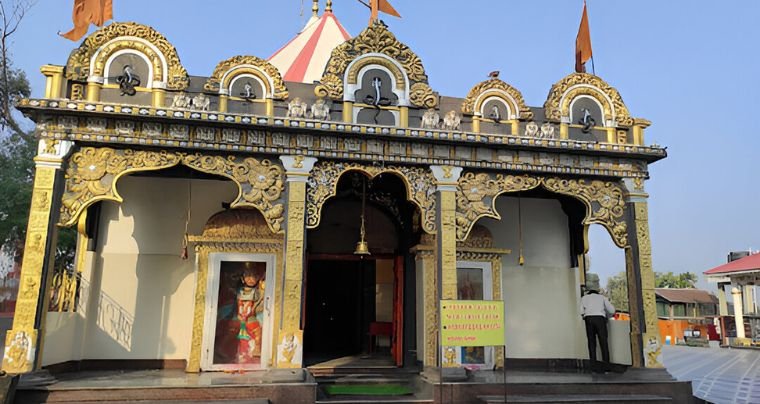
304 58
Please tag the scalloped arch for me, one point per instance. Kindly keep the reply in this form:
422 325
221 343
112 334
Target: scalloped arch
498 88
228 69
118 36
563 92
376 39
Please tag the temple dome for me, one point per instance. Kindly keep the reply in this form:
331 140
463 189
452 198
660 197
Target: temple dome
304 58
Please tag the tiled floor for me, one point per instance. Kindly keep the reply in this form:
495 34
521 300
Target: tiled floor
718 375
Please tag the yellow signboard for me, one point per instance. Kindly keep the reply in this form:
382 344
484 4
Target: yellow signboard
472 323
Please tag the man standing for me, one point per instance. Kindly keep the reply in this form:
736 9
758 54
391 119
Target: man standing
595 310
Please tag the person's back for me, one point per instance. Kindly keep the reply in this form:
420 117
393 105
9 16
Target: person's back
595 310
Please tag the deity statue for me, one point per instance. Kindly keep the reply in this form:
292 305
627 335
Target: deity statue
430 119
531 129
452 121
296 108
250 314
181 100
320 110
248 93
201 102
547 131
495 114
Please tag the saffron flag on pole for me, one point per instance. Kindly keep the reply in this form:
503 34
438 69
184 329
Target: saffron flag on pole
384 6
583 43
86 12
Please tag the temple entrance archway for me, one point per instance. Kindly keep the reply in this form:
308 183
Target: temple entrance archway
359 309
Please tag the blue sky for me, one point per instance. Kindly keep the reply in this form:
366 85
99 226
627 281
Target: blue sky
691 67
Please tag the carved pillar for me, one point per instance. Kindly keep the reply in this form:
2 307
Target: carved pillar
446 178
94 85
722 303
645 340
297 169
53 80
23 343
736 293
426 262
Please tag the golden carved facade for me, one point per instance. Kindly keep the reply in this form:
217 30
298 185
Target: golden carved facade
323 182
226 70
562 93
496 87
604 200
93 174
114 37
376 39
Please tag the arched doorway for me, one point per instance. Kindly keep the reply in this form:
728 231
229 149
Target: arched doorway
359 309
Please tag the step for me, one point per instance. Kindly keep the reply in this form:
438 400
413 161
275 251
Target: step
579 398
374 400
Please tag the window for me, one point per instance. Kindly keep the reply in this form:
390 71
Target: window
662 309
679 310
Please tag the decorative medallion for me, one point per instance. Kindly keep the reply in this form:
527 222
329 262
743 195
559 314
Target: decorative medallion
93 173
78 65
604 200
496 85
573 85
214 82
420 184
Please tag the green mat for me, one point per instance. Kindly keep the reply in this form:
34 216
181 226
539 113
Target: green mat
367 390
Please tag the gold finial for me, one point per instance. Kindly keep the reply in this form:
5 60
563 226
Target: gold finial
328 6
315 8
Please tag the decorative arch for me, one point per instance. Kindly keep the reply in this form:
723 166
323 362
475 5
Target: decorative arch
323 181
604 200
495 87
228 69
89 60
376 40
361 65
154 60
562 93
93 174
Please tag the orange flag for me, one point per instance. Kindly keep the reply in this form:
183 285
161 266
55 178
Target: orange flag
381 6
86 12
583 43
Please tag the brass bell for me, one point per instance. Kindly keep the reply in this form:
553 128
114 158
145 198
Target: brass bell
362 248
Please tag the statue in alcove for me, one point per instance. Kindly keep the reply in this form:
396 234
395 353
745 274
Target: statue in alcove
547 131
430 119
587 120
531 129
495 114
201 102
248 92
296 108
320 110
128 81
452 121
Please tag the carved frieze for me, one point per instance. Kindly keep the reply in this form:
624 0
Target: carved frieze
562 93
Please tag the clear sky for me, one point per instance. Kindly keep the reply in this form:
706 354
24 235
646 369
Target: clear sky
692 67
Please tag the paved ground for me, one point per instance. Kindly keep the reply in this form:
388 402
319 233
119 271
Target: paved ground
718 375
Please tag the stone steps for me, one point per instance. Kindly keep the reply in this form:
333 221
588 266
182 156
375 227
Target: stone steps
578 398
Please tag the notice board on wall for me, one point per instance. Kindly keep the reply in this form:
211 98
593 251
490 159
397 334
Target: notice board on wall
472 323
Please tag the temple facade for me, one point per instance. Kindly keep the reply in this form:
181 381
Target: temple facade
284 213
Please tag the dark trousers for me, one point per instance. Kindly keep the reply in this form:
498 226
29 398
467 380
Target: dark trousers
596 326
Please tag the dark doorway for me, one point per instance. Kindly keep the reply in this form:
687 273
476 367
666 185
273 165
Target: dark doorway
340 304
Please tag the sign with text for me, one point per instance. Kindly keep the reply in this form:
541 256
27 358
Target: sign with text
472 323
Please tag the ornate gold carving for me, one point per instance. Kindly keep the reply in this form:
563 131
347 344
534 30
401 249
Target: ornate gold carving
420 186
78 65
425 254
374 39
480 237
239 63
294 254
563 92
77 92
353 73
604 200
448 244
496 86
19 351
423 96
93 173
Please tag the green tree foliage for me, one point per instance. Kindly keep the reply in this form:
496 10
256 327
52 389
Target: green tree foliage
617 291
671 280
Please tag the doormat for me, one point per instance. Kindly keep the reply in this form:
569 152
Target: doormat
367 390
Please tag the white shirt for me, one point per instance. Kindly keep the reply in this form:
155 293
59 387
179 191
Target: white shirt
594 304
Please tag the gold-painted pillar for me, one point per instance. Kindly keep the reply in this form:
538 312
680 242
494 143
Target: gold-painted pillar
270 107
53 80
223 98
564 131
404 117
646 346
515 127
476 124
94 85
611 135
447 179
23 343
159 97
639 125
297 169
426 262
348 112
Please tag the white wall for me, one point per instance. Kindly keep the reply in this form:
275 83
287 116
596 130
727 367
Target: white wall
137 297
540 298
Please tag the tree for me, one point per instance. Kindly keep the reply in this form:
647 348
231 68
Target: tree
671 280
617 291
